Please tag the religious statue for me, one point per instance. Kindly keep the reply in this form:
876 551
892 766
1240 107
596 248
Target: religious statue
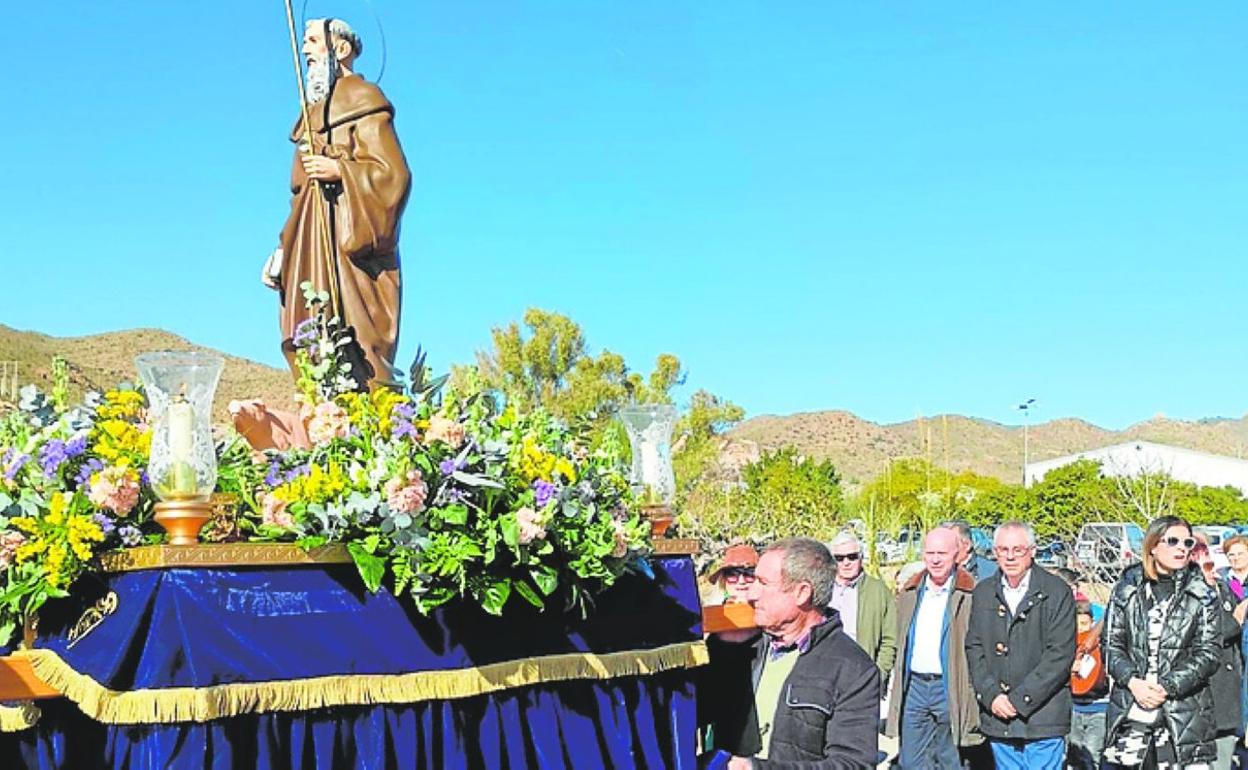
350 183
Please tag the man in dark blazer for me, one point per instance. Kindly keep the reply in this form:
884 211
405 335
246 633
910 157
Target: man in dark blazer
1020 647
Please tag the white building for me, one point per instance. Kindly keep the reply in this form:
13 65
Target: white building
1135 457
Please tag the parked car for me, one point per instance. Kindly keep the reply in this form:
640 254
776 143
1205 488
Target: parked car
1053 555
1215 537
904 547
982 539
1104 549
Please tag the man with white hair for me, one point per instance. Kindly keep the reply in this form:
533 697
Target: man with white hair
867 608
932 709
350 184
1020 646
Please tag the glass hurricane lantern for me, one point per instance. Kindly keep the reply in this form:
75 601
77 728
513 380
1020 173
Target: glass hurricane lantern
649 429
182 468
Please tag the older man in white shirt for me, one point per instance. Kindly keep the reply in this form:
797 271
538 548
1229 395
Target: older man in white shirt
932 707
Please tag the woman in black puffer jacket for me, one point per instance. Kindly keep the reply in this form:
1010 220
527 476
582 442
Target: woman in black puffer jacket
1162 644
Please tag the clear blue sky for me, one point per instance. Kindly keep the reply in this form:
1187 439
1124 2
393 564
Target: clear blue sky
881 206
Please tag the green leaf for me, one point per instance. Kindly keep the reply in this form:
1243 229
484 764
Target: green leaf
372 568
546 578
455 514
511 530
311 542
495 596
528 594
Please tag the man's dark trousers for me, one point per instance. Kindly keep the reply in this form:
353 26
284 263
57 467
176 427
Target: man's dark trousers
926 734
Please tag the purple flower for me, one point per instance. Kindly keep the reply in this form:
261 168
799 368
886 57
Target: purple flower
83 477
274 477
130 536
543 491
76 445
452 464
305 332
105 523
456 495
402 421
51 456
296 472
13 462
403 428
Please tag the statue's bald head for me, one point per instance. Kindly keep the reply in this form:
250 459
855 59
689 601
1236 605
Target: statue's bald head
343 41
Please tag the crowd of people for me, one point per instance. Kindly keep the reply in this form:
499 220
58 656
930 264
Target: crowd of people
976 663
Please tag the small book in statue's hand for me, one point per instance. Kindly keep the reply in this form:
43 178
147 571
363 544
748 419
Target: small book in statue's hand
714 760
271 276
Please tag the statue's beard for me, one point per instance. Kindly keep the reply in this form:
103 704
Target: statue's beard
317 81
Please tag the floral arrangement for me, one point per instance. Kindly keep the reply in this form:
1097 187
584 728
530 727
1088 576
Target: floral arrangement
436 493
72 483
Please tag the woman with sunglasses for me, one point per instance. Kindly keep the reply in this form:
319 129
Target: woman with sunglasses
1162 643
1228 679
735 574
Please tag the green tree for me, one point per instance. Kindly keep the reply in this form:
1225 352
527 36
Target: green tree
545 361
782 494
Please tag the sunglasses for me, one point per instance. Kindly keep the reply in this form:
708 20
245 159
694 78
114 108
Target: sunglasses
739 575
1186 542
840 557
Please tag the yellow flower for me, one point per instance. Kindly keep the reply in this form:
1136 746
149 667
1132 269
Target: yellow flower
53 563
56 509
26 524
115 439
320 485
535 462
31 548
564 467
121 405
83 530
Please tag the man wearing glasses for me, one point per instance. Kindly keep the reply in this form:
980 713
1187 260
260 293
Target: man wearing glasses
1020 647
867 608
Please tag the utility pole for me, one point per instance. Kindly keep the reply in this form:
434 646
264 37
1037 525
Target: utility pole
1026 408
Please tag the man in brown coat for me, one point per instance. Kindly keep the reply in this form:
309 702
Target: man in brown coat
349 189
932 704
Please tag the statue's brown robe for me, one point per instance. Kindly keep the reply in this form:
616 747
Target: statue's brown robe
375 184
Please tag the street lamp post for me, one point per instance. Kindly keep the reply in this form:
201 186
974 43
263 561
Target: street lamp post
1026 408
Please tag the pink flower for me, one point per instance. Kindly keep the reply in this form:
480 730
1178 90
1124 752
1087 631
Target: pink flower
407 493
329 421
9 543
116 489
447 431
275 512
531 525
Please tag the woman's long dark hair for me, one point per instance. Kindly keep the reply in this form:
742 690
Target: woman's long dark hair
1152 536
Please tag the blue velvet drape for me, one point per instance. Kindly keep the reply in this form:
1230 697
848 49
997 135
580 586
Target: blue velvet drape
200 627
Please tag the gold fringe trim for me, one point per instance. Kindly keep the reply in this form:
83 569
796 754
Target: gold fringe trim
23 716
200 704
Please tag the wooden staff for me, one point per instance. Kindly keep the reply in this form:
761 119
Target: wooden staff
318 199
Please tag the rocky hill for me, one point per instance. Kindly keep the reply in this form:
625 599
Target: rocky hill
861 449
102 361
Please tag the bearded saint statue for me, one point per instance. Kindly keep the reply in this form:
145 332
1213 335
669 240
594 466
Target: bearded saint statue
342 234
